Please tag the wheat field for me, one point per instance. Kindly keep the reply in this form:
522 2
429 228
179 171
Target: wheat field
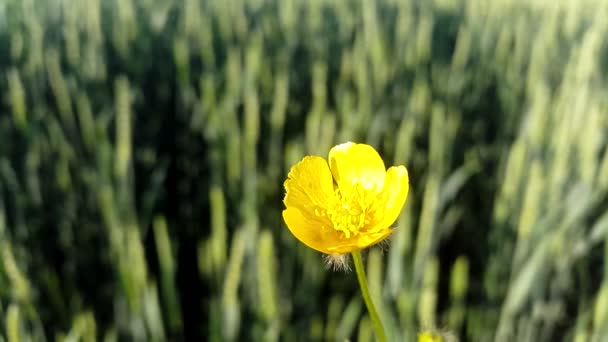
144 145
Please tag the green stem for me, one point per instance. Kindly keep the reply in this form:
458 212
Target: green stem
367 298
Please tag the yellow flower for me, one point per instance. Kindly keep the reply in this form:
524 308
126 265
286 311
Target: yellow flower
346 205
428 336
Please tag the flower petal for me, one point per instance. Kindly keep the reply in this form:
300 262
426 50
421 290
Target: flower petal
356 163
309 186
311 231
397 186
358 242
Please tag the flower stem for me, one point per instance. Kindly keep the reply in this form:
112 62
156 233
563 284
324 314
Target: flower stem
367 298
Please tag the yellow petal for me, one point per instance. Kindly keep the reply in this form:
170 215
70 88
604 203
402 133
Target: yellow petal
311 231
396 186
356 163
309 185
358 242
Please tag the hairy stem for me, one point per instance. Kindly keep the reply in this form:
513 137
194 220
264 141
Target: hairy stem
367 298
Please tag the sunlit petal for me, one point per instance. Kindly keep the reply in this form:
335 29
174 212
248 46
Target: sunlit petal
309 185
352 163
311 231
359 242
396 188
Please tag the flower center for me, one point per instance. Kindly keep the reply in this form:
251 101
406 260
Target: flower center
348 213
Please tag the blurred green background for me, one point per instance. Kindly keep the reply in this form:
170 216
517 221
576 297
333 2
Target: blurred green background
144 143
